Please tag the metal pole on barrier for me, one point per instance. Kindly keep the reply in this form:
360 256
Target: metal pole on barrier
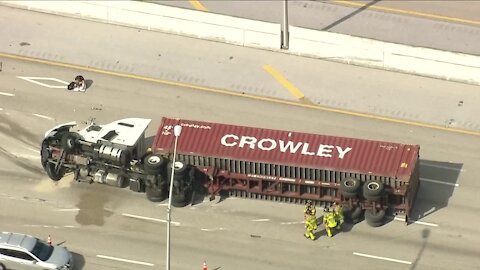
284 44
176 132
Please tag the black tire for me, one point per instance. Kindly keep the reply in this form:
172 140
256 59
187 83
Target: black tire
71 86
349 185
355 221
376 217
356 213
79 78
375 224
180 169
153 163
55 176
353 215
44 154
373 190
2 267
155 194
180 200
68 141
348 194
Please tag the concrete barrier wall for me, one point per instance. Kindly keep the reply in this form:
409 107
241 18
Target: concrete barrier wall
245 32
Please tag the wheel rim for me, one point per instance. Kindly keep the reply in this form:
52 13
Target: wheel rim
178 165
373 186
154 160
70 143
349 183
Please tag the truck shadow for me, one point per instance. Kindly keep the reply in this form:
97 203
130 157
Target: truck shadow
437 183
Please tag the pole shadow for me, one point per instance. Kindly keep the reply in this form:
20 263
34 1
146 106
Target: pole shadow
425 235
330 26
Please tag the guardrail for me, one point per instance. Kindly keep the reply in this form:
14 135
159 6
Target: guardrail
244 32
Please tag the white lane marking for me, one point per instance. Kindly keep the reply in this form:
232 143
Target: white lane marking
7 94
34 80
292 222
67 210
442 167
26 156
43 116
31 149
419 222
438 182
124 260
260 220
150 219
212 229
381 258
48 226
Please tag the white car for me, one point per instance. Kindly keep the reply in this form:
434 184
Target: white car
25 252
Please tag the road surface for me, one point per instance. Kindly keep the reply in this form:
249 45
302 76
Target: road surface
103 225
238 70
443 25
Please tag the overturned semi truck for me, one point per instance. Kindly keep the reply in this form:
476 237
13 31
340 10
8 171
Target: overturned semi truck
371 179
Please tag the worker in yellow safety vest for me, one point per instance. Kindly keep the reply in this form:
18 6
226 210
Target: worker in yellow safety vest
309 210
310 220
329 221
338 213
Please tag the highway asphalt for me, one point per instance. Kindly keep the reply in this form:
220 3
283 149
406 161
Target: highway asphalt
103 224
110 228
224 68
443 25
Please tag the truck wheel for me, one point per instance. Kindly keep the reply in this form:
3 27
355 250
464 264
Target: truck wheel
373 190
155 194
375 224
354 215
68 142
2 267
44 154
180 200
376 217
348 194
180 169
55 176
349 185
153 163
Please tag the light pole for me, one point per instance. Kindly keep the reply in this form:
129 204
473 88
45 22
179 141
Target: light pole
176 132
284 43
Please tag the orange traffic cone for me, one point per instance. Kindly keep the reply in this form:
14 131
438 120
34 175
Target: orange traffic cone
49 240
204 265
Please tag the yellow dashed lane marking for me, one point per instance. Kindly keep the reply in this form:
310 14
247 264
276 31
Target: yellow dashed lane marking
197 5
284 82
237 94
408 12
